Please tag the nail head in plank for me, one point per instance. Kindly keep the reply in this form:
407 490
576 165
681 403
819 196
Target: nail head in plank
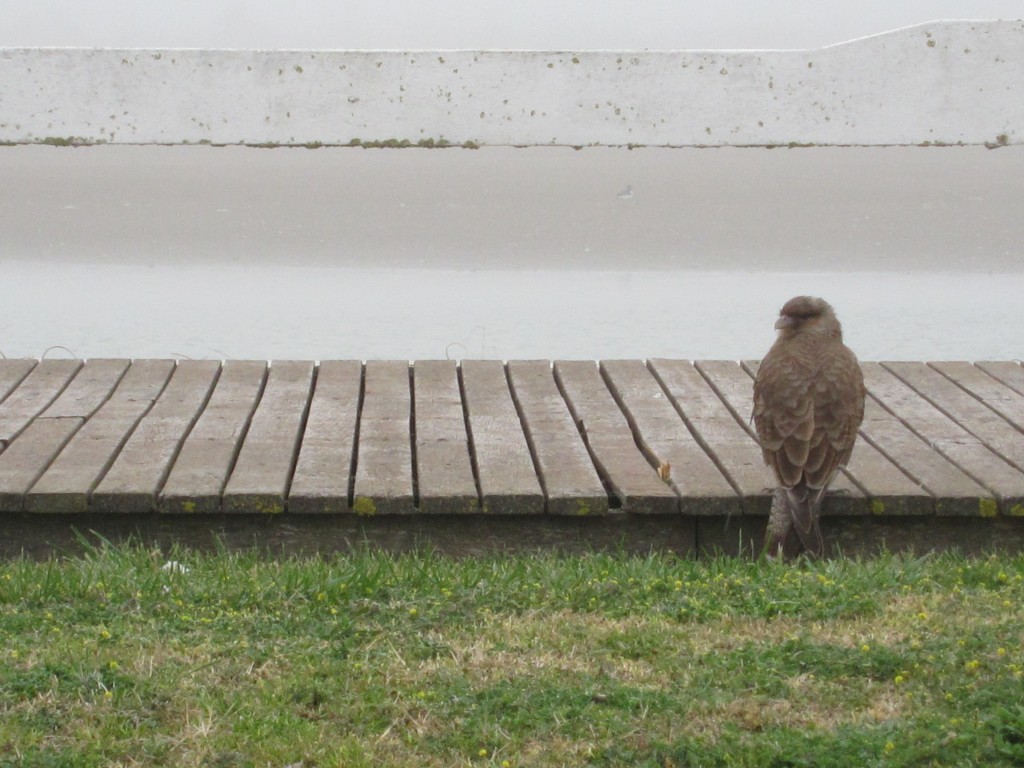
35 392
443 470
324 467
508 479
656 424
628 472
66 484
133 480
384 465
568 475
26 458
208 454
259 480
948 438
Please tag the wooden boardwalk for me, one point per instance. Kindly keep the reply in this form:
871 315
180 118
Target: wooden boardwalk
345 439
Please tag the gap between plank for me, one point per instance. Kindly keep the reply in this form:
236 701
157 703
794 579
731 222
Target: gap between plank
704 446
412 438
14 436
526 432
18 383
166 473
303 423
695 433
131 430
614 500
74 432
354 462
638 440
966 427
978 397
471 444
244 433
931 444
725 401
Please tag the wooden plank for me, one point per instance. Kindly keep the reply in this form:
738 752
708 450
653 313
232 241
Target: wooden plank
567 474
729 441
954 492
323 472
42 441
629 474
384 467
260 478
12 372
735 386
1011 374
993 393
890 490
949 388
444 471
65 486
46 381
508 479
29 455
669 440
948 439
87 391
134 479
209 452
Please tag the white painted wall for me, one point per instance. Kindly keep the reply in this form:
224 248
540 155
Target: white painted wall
944 82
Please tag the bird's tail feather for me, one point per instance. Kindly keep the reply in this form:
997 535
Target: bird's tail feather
803 505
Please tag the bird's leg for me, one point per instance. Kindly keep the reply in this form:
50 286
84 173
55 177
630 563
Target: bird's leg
780 540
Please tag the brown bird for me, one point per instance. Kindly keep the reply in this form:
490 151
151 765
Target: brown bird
808 406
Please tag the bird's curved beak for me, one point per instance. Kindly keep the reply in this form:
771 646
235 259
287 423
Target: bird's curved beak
783 322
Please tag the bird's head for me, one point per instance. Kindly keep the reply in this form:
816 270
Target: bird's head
808 314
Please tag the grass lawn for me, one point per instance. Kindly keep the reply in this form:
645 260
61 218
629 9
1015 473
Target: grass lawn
120 657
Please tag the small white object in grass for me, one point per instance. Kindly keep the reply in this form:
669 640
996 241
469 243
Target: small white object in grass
173 566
